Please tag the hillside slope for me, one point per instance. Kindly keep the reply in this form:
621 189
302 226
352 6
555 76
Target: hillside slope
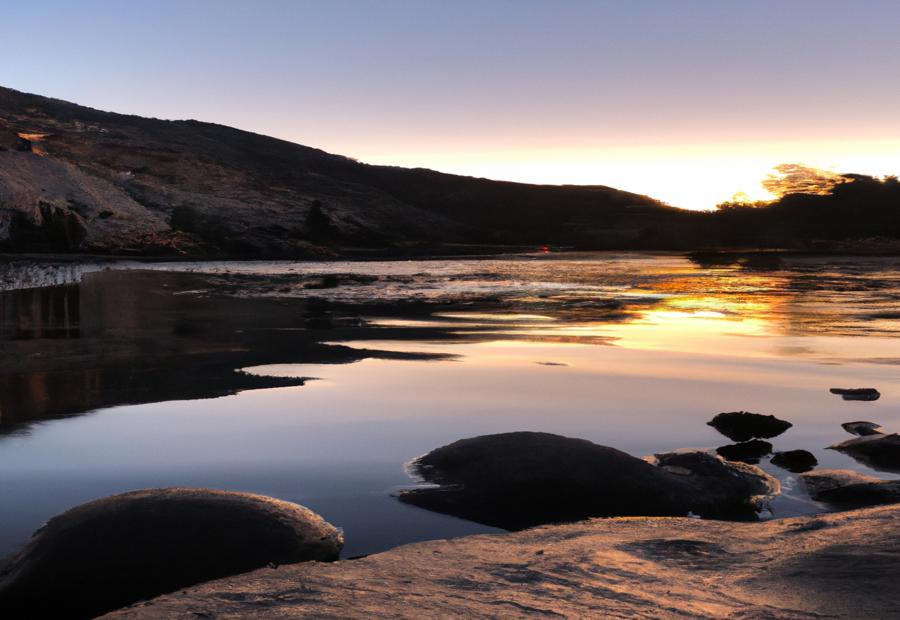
75 179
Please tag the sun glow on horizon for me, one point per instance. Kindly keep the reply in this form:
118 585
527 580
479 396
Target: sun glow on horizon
696 177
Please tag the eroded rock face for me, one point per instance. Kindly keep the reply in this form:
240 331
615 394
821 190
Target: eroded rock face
878 451
111 552
744 426
518 480
849 489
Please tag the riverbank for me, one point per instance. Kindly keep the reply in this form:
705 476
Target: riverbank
841 565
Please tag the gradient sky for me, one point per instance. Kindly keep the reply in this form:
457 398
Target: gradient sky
689 101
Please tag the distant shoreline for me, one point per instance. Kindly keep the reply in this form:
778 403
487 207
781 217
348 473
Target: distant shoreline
459 252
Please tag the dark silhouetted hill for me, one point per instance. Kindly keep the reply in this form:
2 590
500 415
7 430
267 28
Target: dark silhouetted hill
75 179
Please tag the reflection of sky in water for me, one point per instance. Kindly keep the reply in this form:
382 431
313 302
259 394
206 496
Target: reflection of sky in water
644 374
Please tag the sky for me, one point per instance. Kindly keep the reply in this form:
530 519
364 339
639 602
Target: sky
688 101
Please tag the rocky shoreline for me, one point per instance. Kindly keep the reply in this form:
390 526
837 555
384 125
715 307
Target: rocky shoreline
840 565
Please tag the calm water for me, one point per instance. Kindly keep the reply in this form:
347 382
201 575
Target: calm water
316 382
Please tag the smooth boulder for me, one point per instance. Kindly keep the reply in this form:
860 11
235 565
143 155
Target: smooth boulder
848 489
744 426
111 552
879 451
523 479
864 394
794 461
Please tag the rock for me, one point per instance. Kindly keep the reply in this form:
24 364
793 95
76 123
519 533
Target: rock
880 452
862 428
824 480
746 451
11 141
857 393
794 461
113 551
329 280
518 480
743 426
47 227
838 565
849 489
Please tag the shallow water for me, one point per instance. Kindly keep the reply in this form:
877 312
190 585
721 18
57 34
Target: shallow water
123 375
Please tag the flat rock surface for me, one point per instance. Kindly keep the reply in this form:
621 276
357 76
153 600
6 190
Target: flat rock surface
840 565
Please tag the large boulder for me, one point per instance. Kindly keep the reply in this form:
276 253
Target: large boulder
744 426
879 451
111 552
518 480
848 489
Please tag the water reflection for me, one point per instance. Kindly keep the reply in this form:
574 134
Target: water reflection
129 337
633 351
183 331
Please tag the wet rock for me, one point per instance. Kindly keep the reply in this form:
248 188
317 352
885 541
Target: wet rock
849 489
721 488
794 461
746 451
862 428
111 552
879 451
867 394
518 480
743 426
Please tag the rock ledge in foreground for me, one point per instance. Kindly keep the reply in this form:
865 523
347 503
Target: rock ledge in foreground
841 565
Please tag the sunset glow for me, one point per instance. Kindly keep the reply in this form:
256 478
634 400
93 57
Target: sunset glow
688 102
691 176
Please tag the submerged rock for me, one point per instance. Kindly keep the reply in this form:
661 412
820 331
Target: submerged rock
743 425
518 480
849 489
879 451
113 551
862 428
747 451
795 461
857 393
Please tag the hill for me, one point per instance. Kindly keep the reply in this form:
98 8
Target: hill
76 179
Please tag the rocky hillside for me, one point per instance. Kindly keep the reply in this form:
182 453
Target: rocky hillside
75 179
